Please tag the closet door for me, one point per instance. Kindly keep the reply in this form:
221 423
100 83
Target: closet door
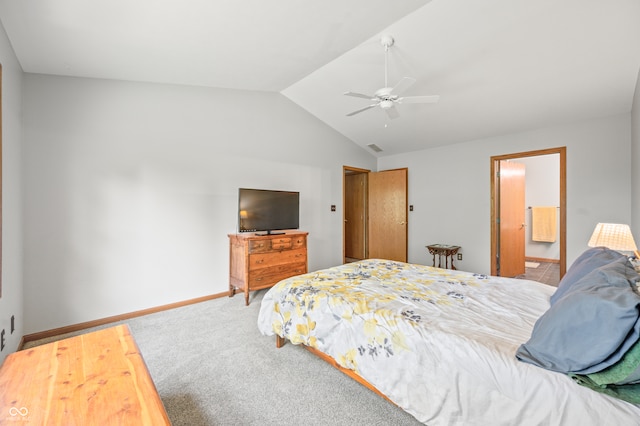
387 207
355 210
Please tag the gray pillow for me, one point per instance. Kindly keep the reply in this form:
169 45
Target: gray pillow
591 326
591 259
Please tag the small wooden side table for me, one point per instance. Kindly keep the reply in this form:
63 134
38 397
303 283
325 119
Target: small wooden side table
443 250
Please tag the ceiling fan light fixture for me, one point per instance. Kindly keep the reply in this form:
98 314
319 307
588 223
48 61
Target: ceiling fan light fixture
386 104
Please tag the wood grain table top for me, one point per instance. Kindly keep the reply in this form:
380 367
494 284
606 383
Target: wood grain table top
98 378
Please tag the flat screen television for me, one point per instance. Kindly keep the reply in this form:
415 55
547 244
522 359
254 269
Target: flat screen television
263 210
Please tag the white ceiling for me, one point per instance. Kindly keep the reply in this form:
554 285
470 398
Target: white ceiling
500 66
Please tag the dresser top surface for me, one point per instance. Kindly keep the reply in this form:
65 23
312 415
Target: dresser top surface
254 235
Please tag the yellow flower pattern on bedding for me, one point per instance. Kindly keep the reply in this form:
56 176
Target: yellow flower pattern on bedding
355 299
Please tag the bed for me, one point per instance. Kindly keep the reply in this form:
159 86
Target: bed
440 344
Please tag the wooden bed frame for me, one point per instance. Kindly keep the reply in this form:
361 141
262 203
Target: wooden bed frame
280 342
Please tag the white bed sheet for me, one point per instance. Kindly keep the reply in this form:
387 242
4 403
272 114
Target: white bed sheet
439 343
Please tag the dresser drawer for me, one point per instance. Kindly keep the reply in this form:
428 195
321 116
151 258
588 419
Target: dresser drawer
264 260
259 246
281 243
266 277
299 241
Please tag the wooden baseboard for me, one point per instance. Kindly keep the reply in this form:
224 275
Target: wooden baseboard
95 323
541 259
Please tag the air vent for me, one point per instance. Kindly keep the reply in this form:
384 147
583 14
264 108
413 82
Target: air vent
374 147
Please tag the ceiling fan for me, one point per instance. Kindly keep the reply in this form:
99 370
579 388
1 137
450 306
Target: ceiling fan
387 97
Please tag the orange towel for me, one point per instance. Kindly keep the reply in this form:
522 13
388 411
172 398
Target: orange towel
544 224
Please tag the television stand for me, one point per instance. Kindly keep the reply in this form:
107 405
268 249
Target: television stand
260 261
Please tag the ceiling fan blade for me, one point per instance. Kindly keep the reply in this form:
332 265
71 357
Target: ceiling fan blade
403 85
419 99
359 95
362 109
392 112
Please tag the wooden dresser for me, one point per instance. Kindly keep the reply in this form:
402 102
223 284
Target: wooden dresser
97 378
260 261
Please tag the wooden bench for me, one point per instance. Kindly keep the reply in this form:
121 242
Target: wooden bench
98 378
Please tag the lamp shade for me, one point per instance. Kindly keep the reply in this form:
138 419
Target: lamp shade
614 236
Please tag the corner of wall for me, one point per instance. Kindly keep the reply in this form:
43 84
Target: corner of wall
635 161
12 300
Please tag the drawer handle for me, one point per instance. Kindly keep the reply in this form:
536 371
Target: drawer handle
258 279
260 261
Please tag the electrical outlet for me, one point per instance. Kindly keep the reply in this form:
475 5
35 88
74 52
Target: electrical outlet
459 256
411 208
2 340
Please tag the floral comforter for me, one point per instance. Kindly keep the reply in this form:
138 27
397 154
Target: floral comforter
439 343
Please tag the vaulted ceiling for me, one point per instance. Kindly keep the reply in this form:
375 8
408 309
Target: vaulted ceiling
499 66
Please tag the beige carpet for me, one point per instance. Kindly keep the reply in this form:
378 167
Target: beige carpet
212 366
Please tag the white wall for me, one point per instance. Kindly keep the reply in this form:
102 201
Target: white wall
449 186
542 188
131 190
11 302
635 164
